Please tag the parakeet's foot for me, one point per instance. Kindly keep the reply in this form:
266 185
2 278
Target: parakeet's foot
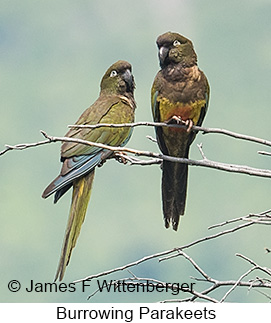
175 119
178 120
101 163
119 156
189 124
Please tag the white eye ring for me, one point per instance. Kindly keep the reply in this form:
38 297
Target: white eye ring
176 43
113 73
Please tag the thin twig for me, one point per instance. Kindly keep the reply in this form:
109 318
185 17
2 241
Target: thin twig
195 265
134 280
203 163
201 151
217 284
151 139
163 253
206 239
195 128
263 216
264 269
24 146
266 153
237 283
256 283
224 223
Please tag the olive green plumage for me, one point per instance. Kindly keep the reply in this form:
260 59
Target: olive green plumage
115 104
180 90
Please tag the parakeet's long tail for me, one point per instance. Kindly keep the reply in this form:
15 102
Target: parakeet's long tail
80 198
174 187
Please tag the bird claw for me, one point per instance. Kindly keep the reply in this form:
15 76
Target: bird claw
178 120
175 119
119 156
189 124
101 163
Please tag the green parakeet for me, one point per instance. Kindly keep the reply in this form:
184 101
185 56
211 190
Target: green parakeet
115 104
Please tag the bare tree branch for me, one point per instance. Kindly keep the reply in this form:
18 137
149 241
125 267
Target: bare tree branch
232 168
152 124
266 153
237 283
172 253
24 146
203 163
195 294
156 156
195 128
263 218
264 269
120 153
259 283
134 280
241 226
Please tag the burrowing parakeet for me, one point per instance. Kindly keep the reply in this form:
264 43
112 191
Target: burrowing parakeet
180 93
115 104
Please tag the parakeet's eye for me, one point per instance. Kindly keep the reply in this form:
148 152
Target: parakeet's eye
176 43
113 73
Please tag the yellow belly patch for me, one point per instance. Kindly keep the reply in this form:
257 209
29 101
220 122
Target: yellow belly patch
186 111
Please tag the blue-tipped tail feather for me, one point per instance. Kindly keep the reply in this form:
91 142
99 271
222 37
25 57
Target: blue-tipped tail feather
75 167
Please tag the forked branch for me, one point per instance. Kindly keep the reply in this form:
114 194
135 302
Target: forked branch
242 169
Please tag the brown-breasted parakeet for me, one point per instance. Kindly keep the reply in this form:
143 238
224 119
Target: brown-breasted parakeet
180 94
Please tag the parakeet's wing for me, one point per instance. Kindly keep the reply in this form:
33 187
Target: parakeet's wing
107 109
202 114
156 118
79 159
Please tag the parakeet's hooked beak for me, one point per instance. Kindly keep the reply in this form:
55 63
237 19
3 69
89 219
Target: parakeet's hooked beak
163 53
129 80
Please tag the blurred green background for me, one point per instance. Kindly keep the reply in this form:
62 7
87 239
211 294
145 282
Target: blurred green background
52 57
